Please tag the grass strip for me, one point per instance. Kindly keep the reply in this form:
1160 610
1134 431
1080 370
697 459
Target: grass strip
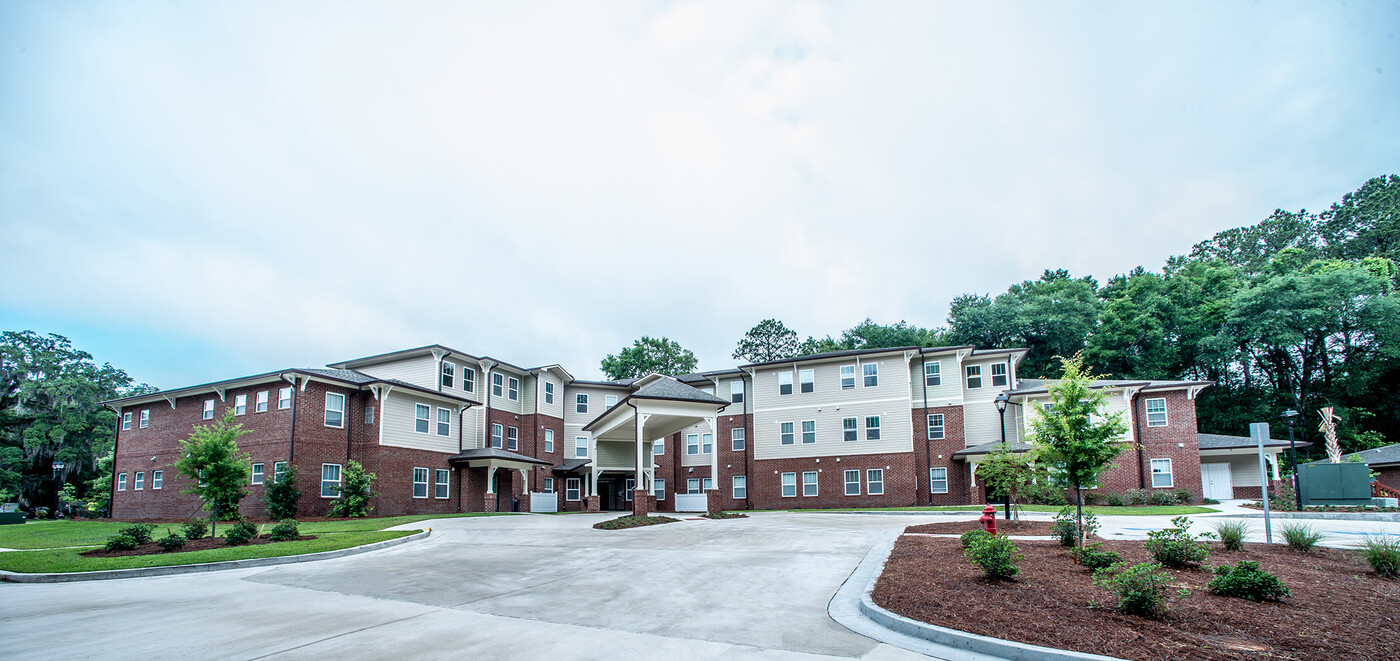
69 560
1126 510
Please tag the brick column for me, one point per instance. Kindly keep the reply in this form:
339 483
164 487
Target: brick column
488 502
714 501
651 502
640 503
593 504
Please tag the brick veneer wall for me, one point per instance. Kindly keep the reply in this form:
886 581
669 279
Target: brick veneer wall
1176 441
938 453
765 481
1388 476
316 444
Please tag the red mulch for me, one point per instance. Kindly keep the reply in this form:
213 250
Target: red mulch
1339 609
1004 527
151 548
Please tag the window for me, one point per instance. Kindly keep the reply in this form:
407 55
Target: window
807 380
809 483
705 484
497 381
872 428
736 391
707 443
549 440
609 401
126 421
581 403
849 429
580 447
809 431
157 479
659 488
786 430
1157 412
549 485
784 383
998 375
444 421
571 488
938 480
658 447
848 377
278 470
369 415
692 485
257 473
335 409
208 409
240 404
420 483
440 480
692 444
872 374
330 480
121 481
448 370
513 389
875 481
935 426
933 374
420 418
548 393
629 488
202 482
260 404
145 418
708 390
496 430
284 398
512 438
736 439
974 376
139 481
468 379
1161 473
853 483
789 482
740 487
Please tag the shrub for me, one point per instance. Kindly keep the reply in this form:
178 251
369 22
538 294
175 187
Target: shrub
1383 552
1176 547
122 541
284 531
1209 501
1301 536
996 555
1093 558
140 532
1043 494
1063 527
172 541
281 494
1247 581
1183 496
240 532
1161 498
1283 499
1141 588
1136 496
1092 498
1115 500
355 492
195 529
970 537
1231 534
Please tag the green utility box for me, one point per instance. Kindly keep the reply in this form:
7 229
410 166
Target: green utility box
11 517
1346 483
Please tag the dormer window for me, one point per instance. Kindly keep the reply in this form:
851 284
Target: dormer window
998 375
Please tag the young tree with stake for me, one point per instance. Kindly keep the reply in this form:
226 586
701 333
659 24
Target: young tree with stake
212 462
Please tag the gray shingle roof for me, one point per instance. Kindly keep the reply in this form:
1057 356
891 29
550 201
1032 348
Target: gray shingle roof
1037 386
1222 442
571 465
831 354
1388 454
1014 446
351 376
495 453
668 388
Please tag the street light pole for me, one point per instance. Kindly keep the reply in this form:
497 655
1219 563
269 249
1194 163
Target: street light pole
1291 417
57 472
1001 401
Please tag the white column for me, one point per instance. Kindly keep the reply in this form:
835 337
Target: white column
714 451
490 479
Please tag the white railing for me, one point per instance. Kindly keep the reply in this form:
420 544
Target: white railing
544 502
691 502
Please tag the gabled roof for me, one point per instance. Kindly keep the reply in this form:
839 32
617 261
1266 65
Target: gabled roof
1223 442
495 453
831 354
1039 386
1387 454
345 376
428 350
662 388
984 448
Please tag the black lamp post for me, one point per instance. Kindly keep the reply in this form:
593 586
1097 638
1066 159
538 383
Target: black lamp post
57 472
1001 402
1290 417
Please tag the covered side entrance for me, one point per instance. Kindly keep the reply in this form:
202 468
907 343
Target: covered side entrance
490 472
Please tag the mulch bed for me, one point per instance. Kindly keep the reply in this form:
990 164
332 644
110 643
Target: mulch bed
624 522
1004 527
151 548
1339 609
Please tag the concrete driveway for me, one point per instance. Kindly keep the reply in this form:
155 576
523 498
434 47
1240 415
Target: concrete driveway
516 587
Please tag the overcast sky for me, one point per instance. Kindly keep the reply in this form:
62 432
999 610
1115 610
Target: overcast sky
197 191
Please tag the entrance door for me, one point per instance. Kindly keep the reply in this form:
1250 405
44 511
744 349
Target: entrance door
1215 481
504 490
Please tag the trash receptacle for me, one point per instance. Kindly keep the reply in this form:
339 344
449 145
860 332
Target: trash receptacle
515 504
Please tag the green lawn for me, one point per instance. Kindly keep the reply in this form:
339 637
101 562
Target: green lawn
1127 510
68 560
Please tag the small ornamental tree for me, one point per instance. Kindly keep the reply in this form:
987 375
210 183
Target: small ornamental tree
1075 439
355 492
1007 474
281 494
210 459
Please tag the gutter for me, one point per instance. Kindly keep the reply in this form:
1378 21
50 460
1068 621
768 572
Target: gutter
1137 436
928 442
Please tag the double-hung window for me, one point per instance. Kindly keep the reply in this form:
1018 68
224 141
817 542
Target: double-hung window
658 447
420 482
1157 412
707 443
157 479
581 403
497 383
692 444
848 377
240 404
335 409
1161 473
692 485
705 484
441 476
512 438
257 473
628 488
279 468
872 428
659 488
284 398
448 377
999 375
513 389
497 429
736 439
580 447
260 404
145 418
549 485
872 374
785 430
736 391
549 440
571 488
548 393
938 480
740 487
139 482
935 426
875 481
974 377
789 482
609 401
933 374
784 383
208 409
330 480
853 483
849 431
809 431
444 421
468 379
121 481
126 421
369 415
420 418
807 380
809 483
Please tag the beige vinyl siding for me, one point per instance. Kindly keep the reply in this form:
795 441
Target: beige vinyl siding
555 410
735 408
618 454
947 393
828 404
503 402
529 394
987 392
1244 469
1117 402
573 421
982 423
471 428
398 421
702 459
420 371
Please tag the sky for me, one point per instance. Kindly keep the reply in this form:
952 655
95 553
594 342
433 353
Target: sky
195 191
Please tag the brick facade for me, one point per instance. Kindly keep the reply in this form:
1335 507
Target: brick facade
1176 441
938 453
900 473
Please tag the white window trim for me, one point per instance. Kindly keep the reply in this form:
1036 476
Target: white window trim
414 492
841 372
1005 375
864 376
580 447
782 486
157 480
789 425
846 478
513 389
260 403
735 486
803 382
659 488
937 366
282 403
240 404
692 485
855 431
338 482
279 468
468 379
736 391
343 400
581 399
573 485
498 384
549 441
692 444
707 443
658 447
512 438
816 484
257 475
931 479
968 376
121 481
126 421
447 375
805 432
548 393
447 482
869 427
738 439
369 415
609 401
208 412
1171 477
145 420
428 419
788 383
942 426
138 481
548 485
439 423
869 490
498 435
1165 421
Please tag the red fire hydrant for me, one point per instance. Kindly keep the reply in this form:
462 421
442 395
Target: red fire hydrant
989 519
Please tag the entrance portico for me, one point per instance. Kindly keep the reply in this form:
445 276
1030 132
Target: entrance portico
621 439
497 465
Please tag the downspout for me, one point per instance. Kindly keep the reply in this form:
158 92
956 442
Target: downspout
749 440
1137 436
116 441
292 435
349 408
928 442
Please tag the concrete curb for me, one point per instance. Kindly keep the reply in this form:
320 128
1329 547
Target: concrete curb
875 622
1379 517
139 572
